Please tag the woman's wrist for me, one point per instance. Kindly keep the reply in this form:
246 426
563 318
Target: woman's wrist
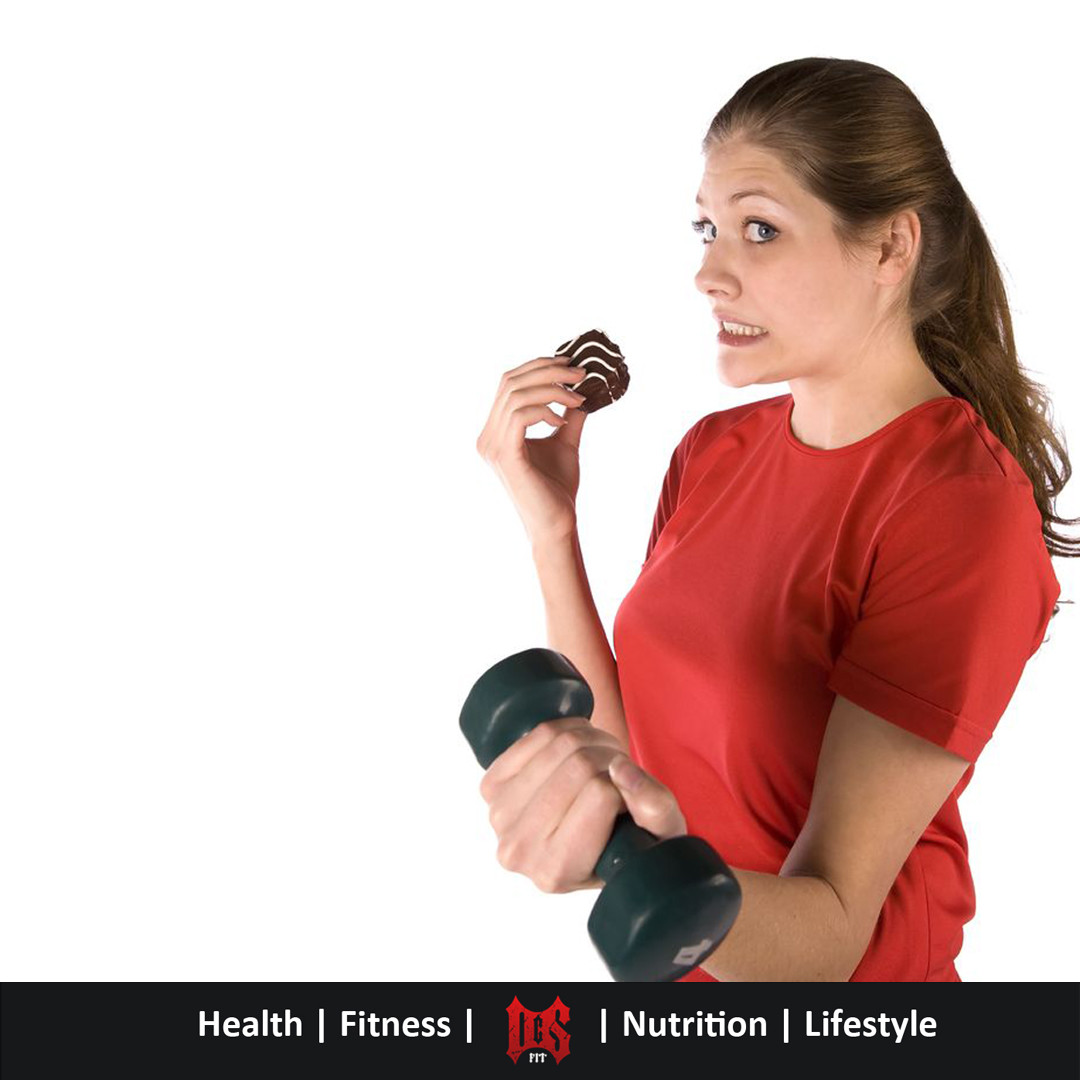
558 541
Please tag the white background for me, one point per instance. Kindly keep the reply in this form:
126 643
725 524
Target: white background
263 266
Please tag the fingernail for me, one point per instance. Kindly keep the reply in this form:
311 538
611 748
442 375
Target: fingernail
625 773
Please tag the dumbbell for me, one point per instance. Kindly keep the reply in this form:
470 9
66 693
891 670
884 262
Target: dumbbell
666 904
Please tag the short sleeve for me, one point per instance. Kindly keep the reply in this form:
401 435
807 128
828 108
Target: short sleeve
960 592
669 490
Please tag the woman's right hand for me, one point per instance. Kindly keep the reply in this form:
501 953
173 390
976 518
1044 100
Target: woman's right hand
541 475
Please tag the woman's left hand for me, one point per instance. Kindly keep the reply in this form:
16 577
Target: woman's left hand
651 804
554 796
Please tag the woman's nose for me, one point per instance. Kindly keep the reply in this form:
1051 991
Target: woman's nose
713 274
716 270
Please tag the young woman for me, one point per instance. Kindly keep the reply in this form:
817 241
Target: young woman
843 584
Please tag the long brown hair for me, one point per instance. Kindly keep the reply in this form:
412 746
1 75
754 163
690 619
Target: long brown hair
856 137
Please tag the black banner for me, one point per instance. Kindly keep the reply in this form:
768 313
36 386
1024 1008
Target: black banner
323 1029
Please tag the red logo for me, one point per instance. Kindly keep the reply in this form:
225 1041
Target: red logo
537 1034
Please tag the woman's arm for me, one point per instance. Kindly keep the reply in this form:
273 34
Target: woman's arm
574 629
791 927
876 789
553 806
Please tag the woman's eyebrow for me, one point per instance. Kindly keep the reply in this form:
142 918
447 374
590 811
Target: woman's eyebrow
743 194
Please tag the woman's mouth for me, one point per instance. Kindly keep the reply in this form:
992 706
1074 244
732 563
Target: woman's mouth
740 336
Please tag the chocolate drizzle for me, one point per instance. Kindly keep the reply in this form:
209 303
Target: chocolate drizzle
606 375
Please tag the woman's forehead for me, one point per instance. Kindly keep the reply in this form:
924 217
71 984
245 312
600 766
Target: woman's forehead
731 175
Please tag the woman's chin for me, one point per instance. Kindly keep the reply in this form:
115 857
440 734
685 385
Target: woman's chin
736 370
737 375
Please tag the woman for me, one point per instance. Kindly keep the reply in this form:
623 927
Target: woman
843 584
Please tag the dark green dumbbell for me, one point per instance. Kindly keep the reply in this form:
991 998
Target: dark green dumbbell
666 904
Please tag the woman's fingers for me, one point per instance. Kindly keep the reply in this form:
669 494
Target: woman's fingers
518 753
541 844
547 784
521 400
554 796
533 757
577 843
651 804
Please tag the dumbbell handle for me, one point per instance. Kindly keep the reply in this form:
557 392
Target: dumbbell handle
627 838
501 709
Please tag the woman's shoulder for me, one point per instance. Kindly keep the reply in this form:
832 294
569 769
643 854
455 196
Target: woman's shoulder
715 424
952 446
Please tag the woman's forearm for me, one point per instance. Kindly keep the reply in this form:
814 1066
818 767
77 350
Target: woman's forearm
574 628
789 929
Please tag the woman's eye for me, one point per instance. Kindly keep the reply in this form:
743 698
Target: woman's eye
702 226
758 238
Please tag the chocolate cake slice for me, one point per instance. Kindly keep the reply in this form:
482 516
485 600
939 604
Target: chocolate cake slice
606 375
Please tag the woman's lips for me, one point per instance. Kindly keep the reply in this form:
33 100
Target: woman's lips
739 339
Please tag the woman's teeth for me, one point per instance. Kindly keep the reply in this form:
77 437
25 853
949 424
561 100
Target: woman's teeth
738 328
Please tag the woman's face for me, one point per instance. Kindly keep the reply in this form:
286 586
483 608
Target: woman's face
777 265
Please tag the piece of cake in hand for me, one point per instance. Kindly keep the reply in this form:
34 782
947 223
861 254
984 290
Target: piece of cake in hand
606 375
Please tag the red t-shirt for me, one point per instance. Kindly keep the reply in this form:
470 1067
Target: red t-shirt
906 572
